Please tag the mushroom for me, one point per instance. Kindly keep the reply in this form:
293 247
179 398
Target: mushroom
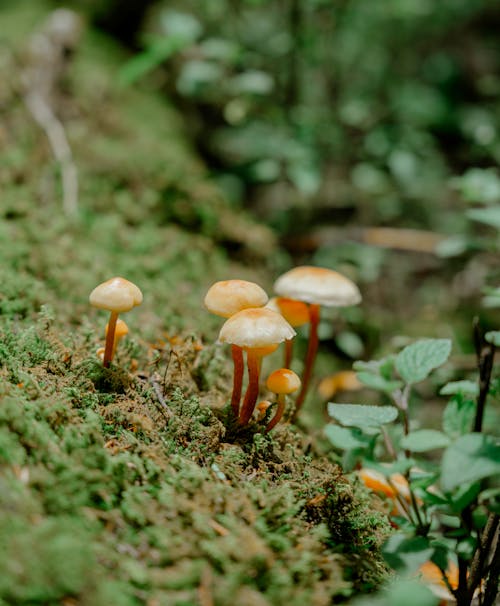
225 298
257 331
316 286
281 382
296 313
117 295
121 330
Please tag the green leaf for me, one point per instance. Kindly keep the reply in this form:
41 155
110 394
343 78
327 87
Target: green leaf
423 440
406 553
378 382
360 415
465 494
493 337
415 362
488 216
471 458
459 387
400 590
458 416
346 439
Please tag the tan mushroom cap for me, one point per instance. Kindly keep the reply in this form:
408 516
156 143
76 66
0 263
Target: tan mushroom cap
227 297
283 381
116 294
317 285
256 327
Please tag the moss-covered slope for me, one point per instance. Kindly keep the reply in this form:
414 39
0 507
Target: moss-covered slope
130 486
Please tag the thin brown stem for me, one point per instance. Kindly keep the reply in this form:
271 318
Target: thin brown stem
279 412
288 353
237 355
253 362
310 357
110 340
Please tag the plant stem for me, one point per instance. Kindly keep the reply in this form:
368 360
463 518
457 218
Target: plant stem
488 535
252 388
237 355
312 348
279 412
110 340
491 589
485 353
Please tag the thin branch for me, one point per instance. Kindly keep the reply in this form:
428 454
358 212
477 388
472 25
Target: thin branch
165 408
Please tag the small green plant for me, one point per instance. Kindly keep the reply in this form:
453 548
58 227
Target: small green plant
443 484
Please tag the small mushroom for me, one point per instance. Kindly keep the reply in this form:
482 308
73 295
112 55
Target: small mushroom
258 331
117 295
316 286
225 298
281 382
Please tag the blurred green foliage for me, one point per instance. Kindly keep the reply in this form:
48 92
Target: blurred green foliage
389 97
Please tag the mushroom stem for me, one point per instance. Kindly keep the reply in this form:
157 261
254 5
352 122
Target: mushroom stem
279 412
237 355
110 340
288 353
312 348
252 392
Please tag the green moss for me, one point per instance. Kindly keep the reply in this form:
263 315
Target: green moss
131 485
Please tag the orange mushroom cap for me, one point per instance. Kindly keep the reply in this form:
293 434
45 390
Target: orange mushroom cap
296 313
283 381
121 329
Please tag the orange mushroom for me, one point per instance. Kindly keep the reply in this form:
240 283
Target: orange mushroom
225 298
316 286
258 331
117 295
281 382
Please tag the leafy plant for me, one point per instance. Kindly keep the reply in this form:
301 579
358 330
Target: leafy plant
443 483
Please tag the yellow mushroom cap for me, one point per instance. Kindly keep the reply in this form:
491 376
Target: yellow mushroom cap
116 294
283 380
317 285
227 297
256 327
121 329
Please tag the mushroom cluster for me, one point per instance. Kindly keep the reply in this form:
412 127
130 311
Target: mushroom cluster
256 327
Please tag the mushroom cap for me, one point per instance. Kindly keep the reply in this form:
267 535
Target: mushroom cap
296 313
121 329
116 294
283 381
317 285
227 297
256 327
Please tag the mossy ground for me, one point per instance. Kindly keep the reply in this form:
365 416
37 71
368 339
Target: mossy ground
131 485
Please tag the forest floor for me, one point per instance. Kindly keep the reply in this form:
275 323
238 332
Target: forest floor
130 485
